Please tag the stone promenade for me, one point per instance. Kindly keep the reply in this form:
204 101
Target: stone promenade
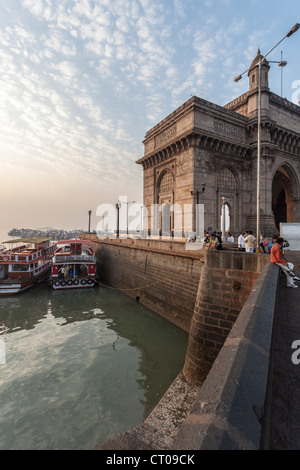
285 408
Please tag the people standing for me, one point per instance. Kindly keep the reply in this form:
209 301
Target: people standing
249 241
272 243
220 240
263 243
277 258
206 239
241 243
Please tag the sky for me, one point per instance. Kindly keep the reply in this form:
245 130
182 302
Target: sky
82 81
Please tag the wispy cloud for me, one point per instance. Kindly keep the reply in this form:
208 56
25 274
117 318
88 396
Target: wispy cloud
81 81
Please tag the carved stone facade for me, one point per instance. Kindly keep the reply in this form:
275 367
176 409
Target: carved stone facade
203 152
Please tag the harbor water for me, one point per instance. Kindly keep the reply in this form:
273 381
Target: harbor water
81 366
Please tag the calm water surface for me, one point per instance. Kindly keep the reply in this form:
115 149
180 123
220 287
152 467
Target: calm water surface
81 366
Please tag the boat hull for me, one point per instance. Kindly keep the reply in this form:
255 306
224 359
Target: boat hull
11 287
73 265
25 263
61 284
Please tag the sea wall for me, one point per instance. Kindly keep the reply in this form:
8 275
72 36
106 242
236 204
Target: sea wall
164 281
232 408
226 281
231 314
203 288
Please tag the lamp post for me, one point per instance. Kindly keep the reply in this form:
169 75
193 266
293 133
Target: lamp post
282 64
142 220
118 205
90 221
126 202
195 212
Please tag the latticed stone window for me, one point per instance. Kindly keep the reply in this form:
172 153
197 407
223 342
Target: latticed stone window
166 183
227 179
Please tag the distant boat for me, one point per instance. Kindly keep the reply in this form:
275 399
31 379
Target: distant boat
24 263
73 265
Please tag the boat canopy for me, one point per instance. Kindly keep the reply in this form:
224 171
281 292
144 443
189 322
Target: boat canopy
73 242
29 240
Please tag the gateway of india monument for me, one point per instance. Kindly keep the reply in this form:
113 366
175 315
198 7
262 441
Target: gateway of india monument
206 154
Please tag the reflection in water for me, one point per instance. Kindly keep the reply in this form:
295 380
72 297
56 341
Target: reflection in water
81 366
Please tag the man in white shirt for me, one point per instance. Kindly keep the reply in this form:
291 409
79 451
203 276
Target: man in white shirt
241 243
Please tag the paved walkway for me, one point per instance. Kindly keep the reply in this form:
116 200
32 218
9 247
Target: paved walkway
285 411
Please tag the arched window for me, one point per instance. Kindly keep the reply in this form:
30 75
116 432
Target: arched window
227 179
166 184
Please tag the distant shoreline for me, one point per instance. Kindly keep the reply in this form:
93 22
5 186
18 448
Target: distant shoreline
55 234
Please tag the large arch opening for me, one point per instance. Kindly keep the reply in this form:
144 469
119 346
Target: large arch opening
225 219
166 201
282 197
227 189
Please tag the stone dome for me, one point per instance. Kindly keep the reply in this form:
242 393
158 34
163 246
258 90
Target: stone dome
256 60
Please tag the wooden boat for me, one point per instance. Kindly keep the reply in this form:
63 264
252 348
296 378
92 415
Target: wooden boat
73 265
24 263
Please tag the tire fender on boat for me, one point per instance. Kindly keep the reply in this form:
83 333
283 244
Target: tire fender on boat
83 282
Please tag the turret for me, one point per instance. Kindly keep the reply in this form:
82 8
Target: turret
253 73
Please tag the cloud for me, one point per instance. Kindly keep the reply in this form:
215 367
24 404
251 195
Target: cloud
81 81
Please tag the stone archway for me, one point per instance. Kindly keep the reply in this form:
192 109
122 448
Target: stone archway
166 201
227 189
225 219
282 196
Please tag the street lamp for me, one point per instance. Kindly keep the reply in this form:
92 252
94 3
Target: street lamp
118 205
236 79
126 202
281 64
197 193
90 221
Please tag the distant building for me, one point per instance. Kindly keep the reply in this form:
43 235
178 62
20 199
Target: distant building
203 152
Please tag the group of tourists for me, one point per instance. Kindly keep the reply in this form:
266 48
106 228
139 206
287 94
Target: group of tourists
247 242
213 241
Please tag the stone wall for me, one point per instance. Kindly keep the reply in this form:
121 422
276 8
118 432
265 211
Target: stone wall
227 279
167 283
206 293
231 411
208 287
